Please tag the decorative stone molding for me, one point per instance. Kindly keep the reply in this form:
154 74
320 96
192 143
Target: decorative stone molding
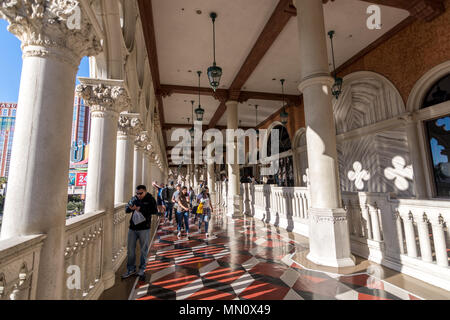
142 140
106 98
129 125
334 220
315 79
45 24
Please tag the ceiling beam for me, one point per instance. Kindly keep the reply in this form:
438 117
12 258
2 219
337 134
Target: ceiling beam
148 28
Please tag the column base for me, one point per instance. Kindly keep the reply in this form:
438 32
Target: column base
108 279
329 238
234 208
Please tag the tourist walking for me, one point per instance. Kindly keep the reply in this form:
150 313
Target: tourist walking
183 210
167 195
142 206
204 200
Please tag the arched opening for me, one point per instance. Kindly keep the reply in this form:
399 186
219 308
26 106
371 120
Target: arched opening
300 158
285 174
437 132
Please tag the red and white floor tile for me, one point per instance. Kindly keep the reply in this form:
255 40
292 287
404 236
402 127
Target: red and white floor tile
243 259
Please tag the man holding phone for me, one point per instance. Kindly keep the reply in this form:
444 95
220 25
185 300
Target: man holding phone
142 207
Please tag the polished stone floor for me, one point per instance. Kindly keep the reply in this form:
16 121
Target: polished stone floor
246 259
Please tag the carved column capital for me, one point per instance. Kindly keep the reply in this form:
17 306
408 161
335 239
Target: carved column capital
129 125
56 28
106 98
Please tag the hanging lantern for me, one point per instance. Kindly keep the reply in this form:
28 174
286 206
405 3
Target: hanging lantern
199 111
336 89
214 72
283 115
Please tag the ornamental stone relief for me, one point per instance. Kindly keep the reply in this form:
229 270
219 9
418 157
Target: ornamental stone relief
48 23
104 100
129 125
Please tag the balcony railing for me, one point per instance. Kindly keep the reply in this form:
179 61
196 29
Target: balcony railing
84 251
409 236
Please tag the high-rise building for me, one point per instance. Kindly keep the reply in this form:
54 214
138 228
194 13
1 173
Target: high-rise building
7 123
81 122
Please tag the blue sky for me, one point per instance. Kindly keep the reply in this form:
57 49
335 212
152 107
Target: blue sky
11 65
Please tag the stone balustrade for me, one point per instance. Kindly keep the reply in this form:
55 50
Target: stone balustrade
280 206
120 236
84 250
19 267
410 236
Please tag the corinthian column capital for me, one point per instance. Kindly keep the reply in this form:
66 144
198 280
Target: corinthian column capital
142 140
129 124
56 28
106 98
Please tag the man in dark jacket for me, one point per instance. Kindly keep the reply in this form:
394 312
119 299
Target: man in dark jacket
142 207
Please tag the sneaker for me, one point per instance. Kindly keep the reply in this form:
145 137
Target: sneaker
207 235
179 234
142 277
128 274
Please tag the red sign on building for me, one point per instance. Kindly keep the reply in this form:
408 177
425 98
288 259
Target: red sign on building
81 179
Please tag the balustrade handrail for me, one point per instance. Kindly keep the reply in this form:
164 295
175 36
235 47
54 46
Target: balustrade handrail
10 248
74 224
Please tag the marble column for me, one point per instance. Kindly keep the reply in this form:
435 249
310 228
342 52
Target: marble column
106 99
420 186
235 204
329 237
129 124
146 170
36 201
137 167
211 165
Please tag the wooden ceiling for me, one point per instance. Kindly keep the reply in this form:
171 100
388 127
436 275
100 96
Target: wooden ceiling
283 12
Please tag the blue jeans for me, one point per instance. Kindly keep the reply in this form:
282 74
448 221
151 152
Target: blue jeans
183 215
169 208
144 239
206 213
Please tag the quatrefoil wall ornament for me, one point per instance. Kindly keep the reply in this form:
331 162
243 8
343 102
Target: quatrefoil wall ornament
400 173
358 175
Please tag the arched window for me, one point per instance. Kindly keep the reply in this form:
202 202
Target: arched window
284 140
439 93
438 137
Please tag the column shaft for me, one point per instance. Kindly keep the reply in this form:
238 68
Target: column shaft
329 240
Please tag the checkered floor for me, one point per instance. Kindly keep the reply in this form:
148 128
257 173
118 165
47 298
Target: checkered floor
245 260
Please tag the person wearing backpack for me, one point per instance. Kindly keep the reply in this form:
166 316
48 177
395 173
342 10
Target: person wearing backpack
142 207
167 195
206 209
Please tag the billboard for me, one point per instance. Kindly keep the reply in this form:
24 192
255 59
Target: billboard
72 179
81 179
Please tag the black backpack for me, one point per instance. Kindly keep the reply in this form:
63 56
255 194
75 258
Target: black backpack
167 194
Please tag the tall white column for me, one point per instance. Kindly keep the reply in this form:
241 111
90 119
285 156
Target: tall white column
137 167
106 99
146 171
126 135
329 237
235 204
37 189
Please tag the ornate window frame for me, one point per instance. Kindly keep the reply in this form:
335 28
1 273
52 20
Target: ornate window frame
420 116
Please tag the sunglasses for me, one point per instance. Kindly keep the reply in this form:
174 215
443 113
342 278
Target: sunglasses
139 193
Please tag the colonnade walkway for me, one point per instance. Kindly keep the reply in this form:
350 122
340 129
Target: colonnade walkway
245 259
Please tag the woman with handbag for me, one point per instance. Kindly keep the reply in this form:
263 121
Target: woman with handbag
204 209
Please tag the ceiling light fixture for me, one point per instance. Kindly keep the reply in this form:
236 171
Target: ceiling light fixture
214 72
192 130
336 89
199 111
283 115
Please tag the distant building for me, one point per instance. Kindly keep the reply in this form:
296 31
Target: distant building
7 123
81 122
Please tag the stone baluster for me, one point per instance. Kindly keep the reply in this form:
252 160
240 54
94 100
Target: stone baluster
375 222
367 225
410 236
440 246
424 238
398 225
52 52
